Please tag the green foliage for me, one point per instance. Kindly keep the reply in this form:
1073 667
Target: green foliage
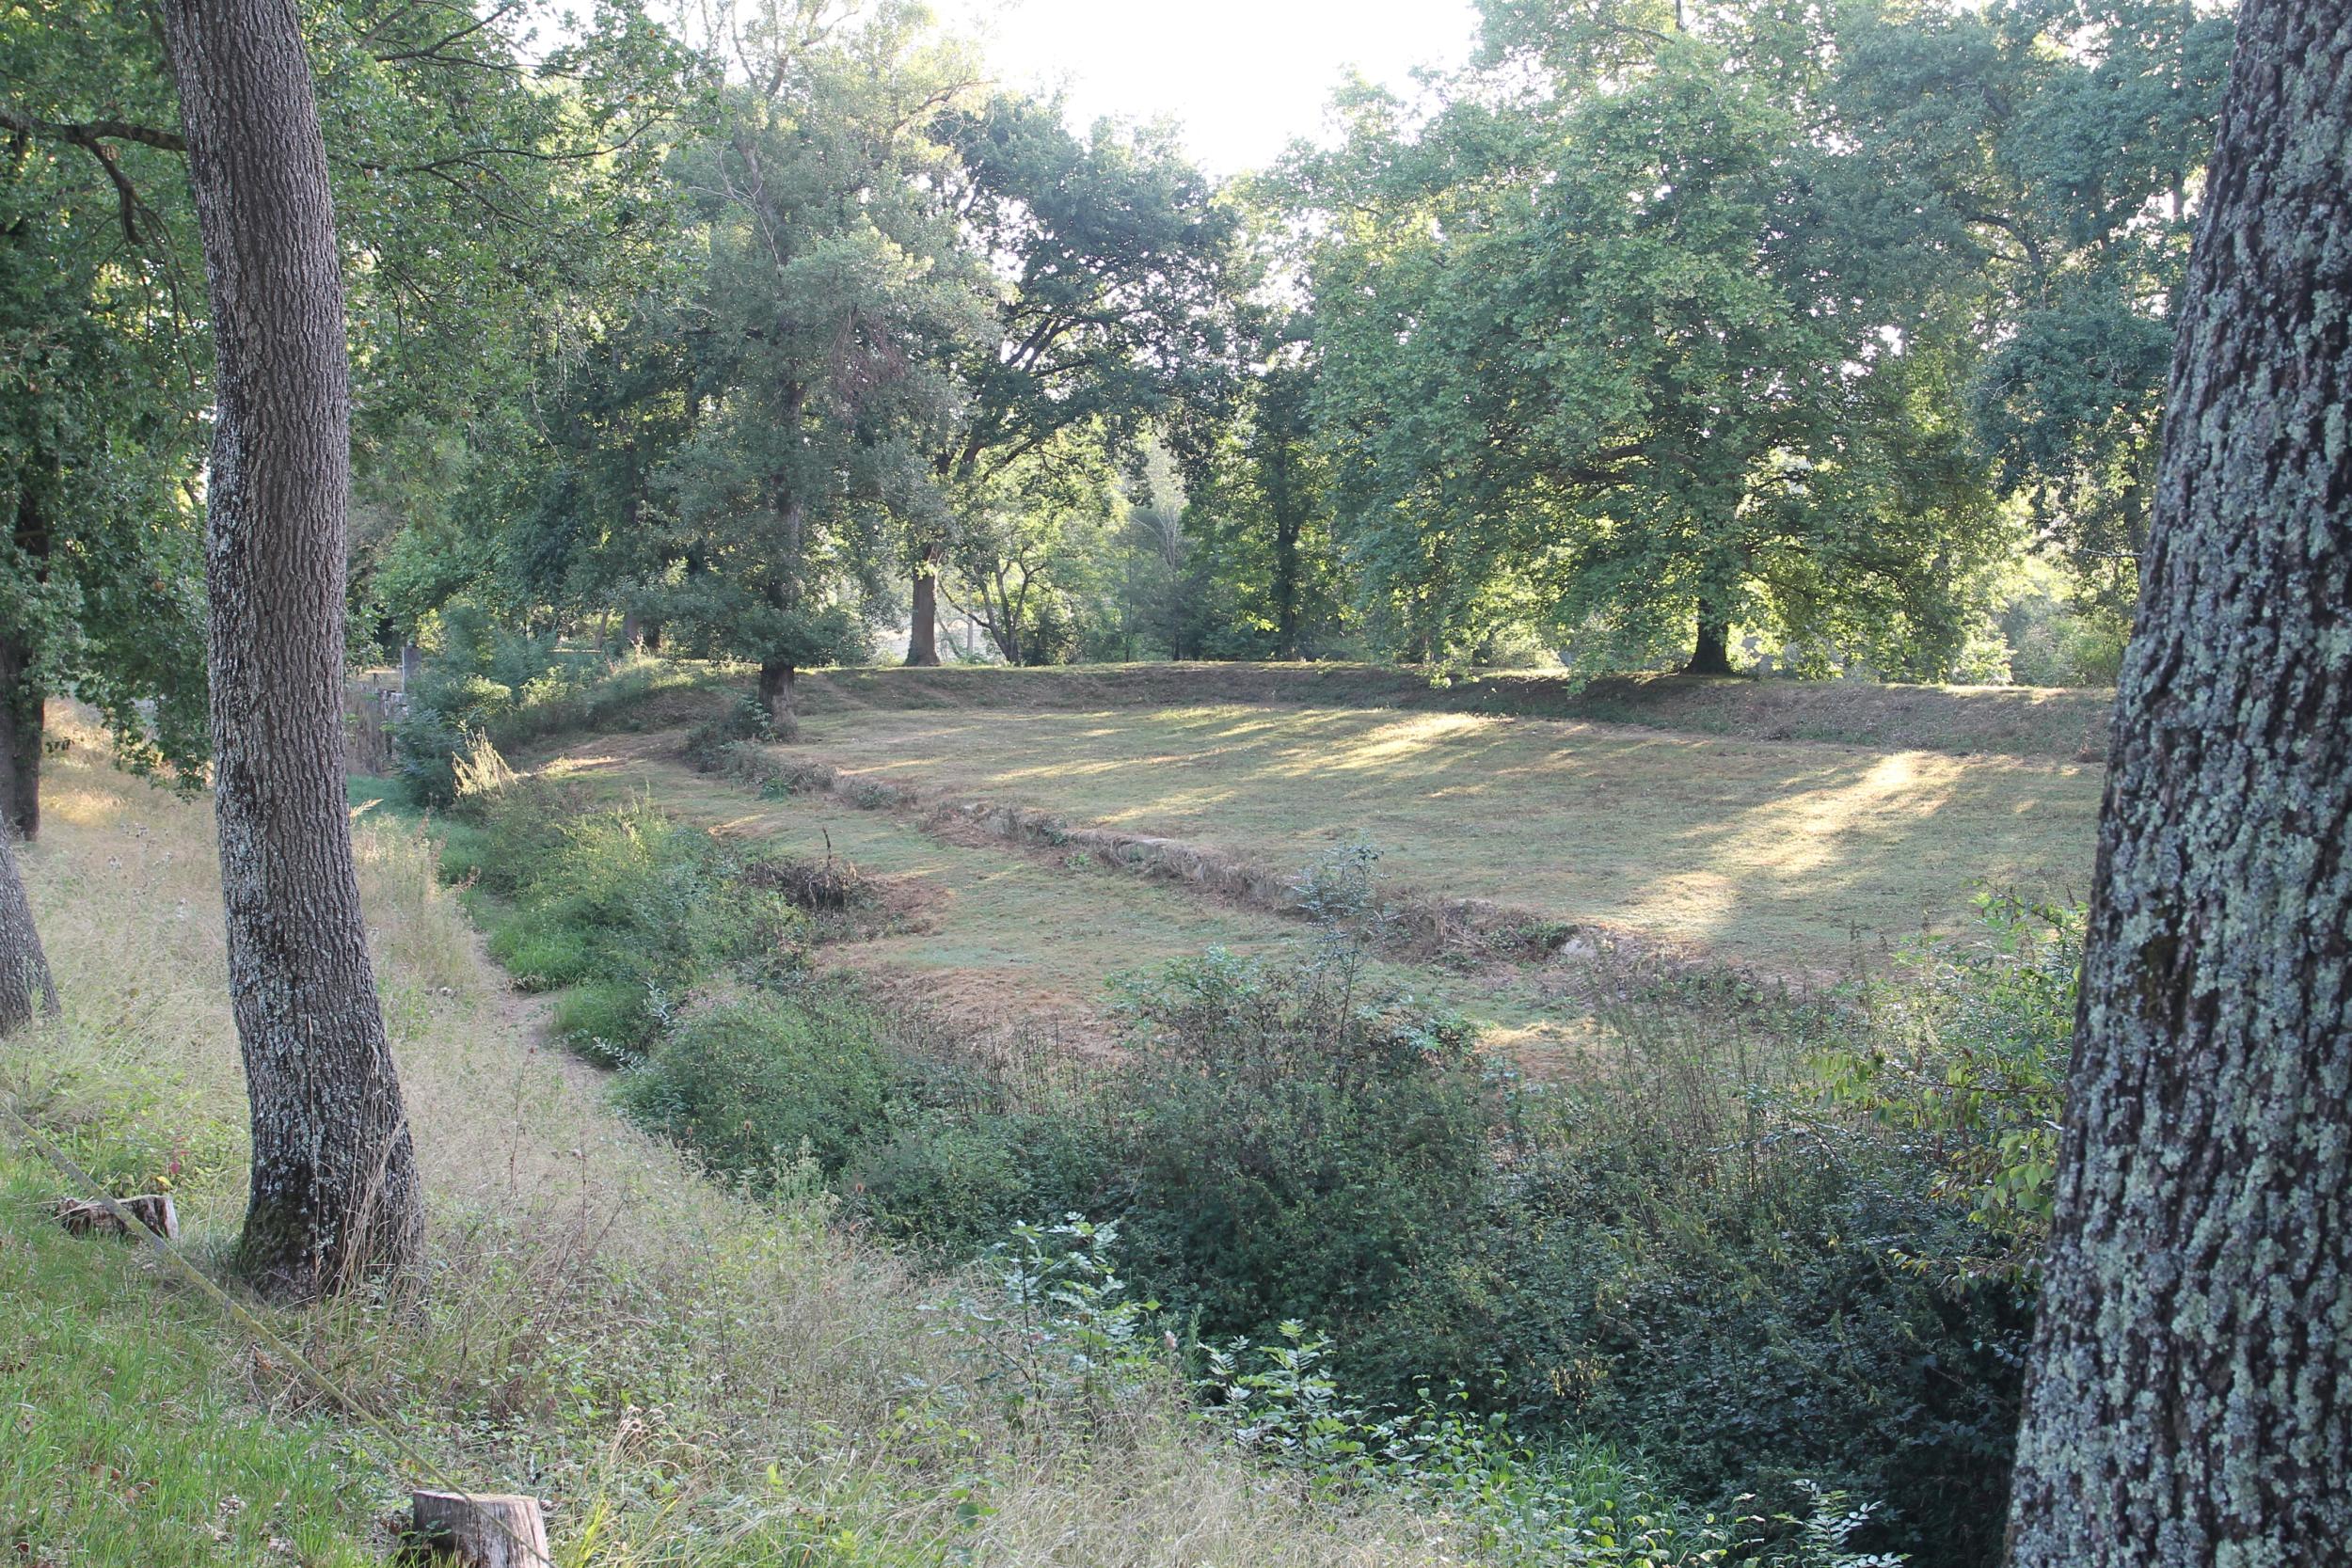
488 685
1696 1261
1966 1053
1604 358
1052 1332
746 718
1512 1503
1685 1252
627 903
2053 186
755 1085
1293 1153
605 1020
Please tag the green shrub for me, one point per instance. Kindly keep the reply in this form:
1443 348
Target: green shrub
746 718
542 954
752 1086
1051 1331
1694 1261
1964 1053
506 840
1293 1154
626 894
956 1180
609 1022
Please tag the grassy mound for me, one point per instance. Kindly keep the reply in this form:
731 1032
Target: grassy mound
2033 722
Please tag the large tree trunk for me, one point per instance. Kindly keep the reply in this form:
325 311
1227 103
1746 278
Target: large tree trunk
334 1192
21 696
2190 1394
20 722
775 695
25 987
923 619
1711 654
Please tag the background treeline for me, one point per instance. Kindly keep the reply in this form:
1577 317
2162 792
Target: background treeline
1659 334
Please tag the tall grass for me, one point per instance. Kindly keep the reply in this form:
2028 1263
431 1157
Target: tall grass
688 1376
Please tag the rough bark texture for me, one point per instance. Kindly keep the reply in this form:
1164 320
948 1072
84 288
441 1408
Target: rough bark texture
923 621
21 696
775 694
1711 655
2190 1399
19 739
25 987
334 1183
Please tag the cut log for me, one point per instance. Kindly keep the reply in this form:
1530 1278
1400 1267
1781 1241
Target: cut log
482 1530
87 1217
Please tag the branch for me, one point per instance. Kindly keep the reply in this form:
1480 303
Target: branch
98 138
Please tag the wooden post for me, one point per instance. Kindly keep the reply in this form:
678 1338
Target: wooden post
482 1530
87 1217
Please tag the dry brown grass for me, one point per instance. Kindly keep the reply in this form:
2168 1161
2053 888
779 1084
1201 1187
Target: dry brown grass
688 1377
1011 928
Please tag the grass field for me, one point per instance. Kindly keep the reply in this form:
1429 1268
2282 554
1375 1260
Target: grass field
992 935
2057 724
1786 855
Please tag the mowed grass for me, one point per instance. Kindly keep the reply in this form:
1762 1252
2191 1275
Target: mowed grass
992 935
1787 855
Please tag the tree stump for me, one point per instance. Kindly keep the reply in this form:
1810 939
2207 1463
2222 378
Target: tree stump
86 1217
482 1530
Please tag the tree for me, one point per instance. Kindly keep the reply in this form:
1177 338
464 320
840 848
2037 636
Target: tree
1599 349
26 986
98 403
481 181
334 1189
835 301
1261 514
1022 544
2047 153
2191 1397
1117 268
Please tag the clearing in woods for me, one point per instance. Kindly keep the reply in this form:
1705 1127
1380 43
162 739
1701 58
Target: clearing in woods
1784 855
1790 858
991 934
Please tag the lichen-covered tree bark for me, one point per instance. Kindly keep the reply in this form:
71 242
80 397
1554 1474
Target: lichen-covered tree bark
25 987
2190 1400
334 1190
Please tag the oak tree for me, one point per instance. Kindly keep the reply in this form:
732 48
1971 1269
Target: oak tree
2190 1399
334 1192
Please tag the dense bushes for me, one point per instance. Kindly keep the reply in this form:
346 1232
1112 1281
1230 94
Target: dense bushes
1696 1260
755 1086
625 907
1694 1250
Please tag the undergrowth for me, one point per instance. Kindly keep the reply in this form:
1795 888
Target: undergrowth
487 682
1690 1251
